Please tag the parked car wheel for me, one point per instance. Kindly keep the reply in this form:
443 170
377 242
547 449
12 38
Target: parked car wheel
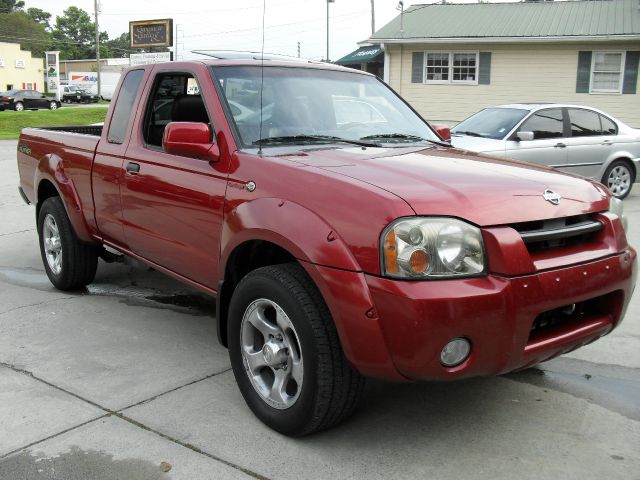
19 106
69 263
53 106
619 178
286 355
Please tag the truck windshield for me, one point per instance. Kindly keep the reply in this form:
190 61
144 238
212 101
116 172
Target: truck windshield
493 123
309 105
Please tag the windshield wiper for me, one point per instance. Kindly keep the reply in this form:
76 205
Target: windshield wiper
470 134
404 136
313 138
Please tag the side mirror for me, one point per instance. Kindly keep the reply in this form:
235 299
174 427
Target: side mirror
190 139
525 136
443 130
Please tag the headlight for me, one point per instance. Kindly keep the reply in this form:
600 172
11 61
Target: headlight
616 206
434 247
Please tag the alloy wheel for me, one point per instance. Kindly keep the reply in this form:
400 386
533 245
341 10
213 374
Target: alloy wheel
52 244
271 353
619 180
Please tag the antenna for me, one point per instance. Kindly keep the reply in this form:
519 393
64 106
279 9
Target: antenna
264 9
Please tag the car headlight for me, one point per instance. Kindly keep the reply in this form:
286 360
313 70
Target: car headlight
436 247
616 206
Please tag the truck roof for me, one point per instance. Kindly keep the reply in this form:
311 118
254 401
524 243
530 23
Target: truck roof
269 61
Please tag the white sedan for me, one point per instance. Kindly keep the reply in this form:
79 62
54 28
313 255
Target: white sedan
577 139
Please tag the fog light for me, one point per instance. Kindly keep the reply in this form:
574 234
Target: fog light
455 352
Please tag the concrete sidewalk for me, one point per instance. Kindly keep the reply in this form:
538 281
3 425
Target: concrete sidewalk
126 381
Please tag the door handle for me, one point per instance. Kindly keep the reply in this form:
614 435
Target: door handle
560 145
607 142
133 168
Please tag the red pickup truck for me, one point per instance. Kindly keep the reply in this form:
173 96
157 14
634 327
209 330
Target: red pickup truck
341 237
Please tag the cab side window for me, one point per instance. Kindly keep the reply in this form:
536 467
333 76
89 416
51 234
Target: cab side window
124 104
175 98
545 124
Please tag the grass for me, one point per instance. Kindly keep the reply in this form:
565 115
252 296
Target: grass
11 123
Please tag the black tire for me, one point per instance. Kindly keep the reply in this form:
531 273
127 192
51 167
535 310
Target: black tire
623 166
331 389
53 105
78 261
18 107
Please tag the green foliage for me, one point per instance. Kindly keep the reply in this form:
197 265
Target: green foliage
19 27
12 122
120 46
40 16
74 35
7 6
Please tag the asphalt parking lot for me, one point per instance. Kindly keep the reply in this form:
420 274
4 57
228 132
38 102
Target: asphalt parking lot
126 381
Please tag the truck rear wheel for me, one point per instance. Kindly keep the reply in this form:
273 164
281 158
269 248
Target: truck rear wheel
69 263
286 355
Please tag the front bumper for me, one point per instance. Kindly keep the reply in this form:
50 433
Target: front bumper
496 313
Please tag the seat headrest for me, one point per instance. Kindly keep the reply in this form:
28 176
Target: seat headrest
189 108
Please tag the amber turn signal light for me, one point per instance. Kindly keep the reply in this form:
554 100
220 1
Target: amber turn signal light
390 252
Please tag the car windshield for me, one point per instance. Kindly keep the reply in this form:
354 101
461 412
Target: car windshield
493 123
310 105
9 92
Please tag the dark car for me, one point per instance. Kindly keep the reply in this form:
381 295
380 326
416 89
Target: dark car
72 93
19 100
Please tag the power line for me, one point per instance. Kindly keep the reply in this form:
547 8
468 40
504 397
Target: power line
200 12
197 35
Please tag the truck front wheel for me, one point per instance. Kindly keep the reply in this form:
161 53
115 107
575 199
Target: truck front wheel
69 263
286 355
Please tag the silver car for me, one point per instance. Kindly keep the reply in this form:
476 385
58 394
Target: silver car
579 140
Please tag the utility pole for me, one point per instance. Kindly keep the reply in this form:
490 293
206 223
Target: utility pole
175 48
328 2
373 18
96 6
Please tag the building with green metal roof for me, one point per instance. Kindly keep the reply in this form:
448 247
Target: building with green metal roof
450 60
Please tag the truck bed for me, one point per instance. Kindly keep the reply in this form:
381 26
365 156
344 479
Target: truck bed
95 130
49 146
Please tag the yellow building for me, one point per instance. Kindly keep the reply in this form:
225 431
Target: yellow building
18 69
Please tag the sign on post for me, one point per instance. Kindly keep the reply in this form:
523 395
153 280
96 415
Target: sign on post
52 60
151 33
147 58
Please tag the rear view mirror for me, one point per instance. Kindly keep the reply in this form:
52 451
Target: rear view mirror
443 130
190 139
525 136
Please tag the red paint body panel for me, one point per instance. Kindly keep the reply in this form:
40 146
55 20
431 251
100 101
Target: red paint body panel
328 207
496 314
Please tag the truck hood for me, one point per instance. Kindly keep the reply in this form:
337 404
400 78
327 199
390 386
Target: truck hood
444 181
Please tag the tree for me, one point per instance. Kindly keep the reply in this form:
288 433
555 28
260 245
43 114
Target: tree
120 46
19 27
40 16
7 6
74 35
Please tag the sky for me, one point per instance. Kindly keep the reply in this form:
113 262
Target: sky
237 25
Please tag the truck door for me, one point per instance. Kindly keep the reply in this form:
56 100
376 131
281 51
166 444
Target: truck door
107 173
173 205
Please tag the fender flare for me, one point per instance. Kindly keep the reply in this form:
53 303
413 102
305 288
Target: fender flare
289 225
51 168
330 264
